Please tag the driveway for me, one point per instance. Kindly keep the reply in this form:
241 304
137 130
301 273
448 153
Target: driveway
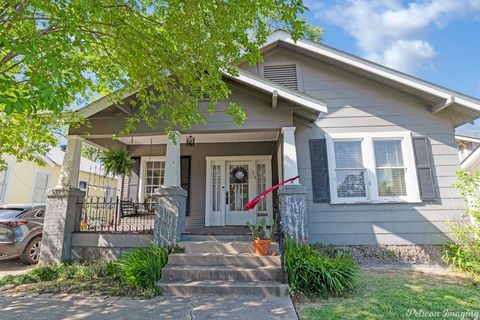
13 267
47 306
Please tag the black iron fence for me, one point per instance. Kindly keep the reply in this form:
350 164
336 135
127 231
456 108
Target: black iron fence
114 215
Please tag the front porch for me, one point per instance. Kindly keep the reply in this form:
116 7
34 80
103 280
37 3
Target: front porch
221 172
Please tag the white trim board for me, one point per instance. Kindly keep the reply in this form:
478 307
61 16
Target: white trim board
255 136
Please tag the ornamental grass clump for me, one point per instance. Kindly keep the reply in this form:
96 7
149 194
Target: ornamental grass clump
142 267
313 273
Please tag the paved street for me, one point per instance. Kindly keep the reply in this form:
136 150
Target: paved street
47 306
13 267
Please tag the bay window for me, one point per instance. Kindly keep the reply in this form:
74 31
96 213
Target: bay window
372 167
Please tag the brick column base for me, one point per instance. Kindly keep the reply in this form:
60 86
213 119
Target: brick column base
170 206
293 211
59 224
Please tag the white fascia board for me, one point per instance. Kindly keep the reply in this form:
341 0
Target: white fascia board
464 138
282 92
471 160
47 160
376 69
105 102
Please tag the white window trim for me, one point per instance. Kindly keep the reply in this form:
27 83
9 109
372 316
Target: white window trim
367 138
8 170
49 183
143 163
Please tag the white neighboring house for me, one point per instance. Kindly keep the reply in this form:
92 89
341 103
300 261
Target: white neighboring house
469 150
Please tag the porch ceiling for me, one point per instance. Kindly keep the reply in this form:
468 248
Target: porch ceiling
205 137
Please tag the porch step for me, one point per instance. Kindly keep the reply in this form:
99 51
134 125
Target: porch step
227 247
228 267
217 237
246 260
221 273
240 288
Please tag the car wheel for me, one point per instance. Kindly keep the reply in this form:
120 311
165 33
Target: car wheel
31 254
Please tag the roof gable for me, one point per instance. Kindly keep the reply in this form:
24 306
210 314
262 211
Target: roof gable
463 108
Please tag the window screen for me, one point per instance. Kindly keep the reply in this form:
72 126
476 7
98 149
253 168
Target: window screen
350 171
390 168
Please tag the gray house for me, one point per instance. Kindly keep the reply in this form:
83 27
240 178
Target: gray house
374 148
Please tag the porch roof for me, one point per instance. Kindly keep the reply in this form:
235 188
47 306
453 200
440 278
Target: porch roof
276 90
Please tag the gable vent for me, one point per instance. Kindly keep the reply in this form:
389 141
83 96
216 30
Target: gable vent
284 74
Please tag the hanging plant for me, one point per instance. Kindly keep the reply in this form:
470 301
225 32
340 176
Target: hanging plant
117 162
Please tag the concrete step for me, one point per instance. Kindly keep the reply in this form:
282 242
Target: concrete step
206 273
227 247
240 288
245 260
217 237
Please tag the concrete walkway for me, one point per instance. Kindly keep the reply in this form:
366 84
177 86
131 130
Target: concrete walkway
47 306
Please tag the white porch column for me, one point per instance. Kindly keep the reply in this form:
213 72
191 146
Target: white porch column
71 163
290 166
172 162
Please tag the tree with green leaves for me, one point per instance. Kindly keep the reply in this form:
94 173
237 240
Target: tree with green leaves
57 54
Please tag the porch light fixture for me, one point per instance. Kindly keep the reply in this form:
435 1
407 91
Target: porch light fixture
190 141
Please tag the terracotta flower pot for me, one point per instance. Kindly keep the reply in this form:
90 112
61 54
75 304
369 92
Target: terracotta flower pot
262 247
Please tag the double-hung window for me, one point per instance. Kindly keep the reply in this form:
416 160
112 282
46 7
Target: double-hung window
372 167
349 170
389 168
152 173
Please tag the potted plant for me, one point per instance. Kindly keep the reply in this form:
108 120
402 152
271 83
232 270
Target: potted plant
262 236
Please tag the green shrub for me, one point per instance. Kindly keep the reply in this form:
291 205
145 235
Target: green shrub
313 273
142 267
456 256
465 253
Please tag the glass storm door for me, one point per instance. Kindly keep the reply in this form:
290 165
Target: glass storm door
239 190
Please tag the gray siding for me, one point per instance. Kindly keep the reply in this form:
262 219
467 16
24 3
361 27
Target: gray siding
359 105
196 219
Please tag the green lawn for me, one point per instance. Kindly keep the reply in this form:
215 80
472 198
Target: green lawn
395 295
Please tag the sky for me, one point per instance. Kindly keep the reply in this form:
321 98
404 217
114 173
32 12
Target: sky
435 40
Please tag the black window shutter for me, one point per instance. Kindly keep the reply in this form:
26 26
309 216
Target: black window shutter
424 168
185 168
319 164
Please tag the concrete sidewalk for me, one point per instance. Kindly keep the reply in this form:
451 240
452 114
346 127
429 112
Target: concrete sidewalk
47 306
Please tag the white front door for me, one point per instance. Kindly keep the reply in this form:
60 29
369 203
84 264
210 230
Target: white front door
231 183
239 189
